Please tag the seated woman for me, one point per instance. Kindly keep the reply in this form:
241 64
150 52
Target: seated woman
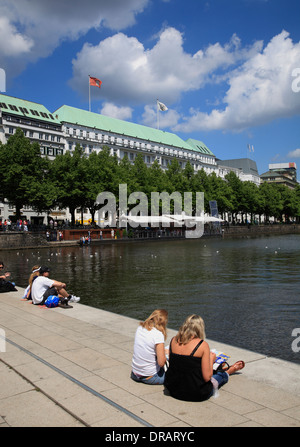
35 272
149 355
190 373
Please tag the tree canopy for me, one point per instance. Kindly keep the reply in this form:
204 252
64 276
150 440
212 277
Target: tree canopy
74 181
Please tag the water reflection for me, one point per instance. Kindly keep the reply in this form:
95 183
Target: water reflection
247 290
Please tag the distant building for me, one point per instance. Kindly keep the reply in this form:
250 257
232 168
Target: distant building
244 168
281 174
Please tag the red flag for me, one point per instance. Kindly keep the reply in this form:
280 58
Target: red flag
96 82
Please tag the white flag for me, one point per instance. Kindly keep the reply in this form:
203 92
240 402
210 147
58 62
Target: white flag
162 106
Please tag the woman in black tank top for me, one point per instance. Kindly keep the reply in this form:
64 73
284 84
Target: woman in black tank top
190 374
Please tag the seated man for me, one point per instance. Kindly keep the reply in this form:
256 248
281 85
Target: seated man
43 286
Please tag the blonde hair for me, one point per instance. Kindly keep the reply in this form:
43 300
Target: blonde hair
157 319
35 272
193 327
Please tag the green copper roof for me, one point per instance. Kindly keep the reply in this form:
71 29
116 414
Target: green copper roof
199 146
72 115
27 109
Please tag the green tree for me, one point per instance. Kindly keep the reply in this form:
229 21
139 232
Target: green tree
220 191
272 201
237 193
24 174
201 184
290 204
101 175
251 203
69 174
174 175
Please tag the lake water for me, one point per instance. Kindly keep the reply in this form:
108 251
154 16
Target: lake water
246 290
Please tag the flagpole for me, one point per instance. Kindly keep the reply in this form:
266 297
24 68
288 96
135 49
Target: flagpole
157 113
89 95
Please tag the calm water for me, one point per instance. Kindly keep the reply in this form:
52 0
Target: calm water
247 290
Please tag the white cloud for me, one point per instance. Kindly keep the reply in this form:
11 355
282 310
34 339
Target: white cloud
12 43
40 26
132 73
294 154
122 113
164 120
259 91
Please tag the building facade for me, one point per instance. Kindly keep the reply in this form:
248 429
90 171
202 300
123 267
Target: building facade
281 174
60 131
37 123
92 131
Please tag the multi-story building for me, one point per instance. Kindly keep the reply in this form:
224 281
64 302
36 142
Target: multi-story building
60 131
37 123
92 131
282 174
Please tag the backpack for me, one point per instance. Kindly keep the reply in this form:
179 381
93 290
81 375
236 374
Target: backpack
52 301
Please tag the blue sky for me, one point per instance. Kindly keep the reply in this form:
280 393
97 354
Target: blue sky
228 70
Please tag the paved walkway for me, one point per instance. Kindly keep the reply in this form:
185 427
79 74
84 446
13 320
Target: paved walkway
71 368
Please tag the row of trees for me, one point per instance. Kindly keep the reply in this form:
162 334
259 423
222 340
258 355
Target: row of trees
74 181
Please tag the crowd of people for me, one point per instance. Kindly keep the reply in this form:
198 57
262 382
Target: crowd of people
6 225
188 368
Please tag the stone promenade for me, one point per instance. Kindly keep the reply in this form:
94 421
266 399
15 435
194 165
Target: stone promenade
71 368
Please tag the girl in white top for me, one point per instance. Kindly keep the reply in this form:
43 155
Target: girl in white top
149 355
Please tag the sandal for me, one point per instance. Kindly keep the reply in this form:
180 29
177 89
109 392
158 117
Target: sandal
236 367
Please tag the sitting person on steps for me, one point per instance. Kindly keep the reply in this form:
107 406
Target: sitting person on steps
43 287
190 374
